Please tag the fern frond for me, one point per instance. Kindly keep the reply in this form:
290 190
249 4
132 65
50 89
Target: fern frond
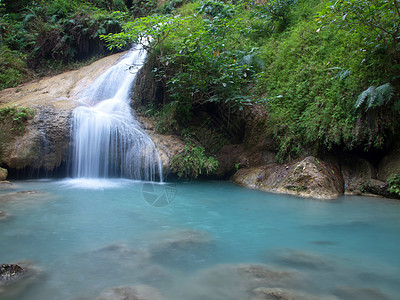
375 97
363 96
384 93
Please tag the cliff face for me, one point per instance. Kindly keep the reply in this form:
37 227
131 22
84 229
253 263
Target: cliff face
44 141
252 161
323 177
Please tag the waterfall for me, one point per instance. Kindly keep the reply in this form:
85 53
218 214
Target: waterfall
108 141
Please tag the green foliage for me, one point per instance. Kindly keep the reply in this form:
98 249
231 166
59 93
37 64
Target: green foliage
193 162
17 115
394 184
375 97
150 31
276 14
13 69
377 21
309 105
171 6
60 30
142 8
198 62
165 119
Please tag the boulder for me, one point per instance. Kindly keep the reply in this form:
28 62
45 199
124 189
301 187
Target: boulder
309 177
377 187
140 292
3 174
14 278
168 146
10 273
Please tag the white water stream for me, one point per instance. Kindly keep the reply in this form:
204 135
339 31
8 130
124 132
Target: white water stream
108 141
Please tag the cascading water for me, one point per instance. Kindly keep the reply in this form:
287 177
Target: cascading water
107 139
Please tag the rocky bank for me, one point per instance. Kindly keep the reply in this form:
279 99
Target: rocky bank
45 139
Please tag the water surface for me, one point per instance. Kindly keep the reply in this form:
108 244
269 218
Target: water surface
86 236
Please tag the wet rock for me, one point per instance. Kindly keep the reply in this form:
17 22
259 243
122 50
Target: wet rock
260 275
377 187
120 257
232 157
10 273
14 278
120 254
141 292
263 293
168 146
3 215
304 260
359 293
356 172
21 195
3 174
309 177
390 164
179 246
5 184
116 249
238 281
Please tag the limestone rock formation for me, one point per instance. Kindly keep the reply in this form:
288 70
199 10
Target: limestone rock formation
390 164
45 138
356 172
309 177
168 145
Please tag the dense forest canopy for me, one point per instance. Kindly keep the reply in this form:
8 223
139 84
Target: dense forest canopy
326 74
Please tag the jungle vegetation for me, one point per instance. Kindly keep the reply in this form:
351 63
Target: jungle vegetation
326 74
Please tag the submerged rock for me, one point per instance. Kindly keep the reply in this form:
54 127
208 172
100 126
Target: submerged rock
120 257
286 294
14 278
139 292
309 177
304 260
5 184
21 195
3 215
238 281
181 245
359 293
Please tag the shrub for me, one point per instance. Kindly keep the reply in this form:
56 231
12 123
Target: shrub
394 184
13 69
193 162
